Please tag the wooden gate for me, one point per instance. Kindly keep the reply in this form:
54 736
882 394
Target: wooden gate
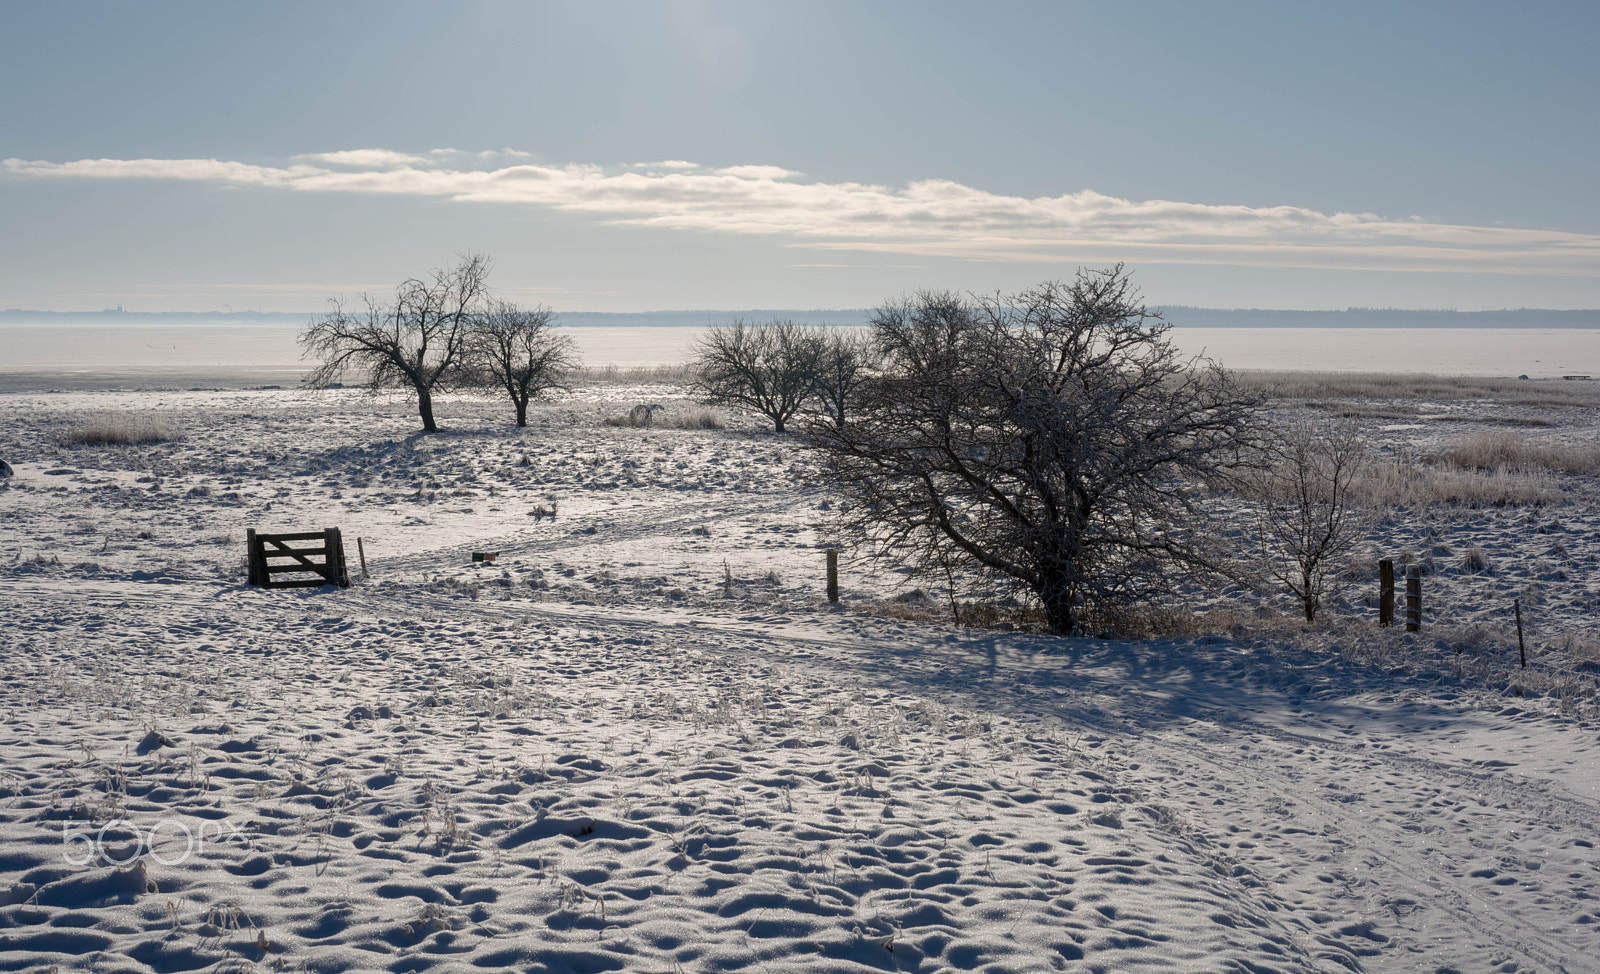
297 561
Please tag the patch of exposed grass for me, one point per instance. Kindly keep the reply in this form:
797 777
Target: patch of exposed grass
1373 385
1528 421
119 429
698 418
692 418
1482 655
643 373
1500 450
1395 484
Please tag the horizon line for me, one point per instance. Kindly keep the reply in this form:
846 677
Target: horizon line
1353 309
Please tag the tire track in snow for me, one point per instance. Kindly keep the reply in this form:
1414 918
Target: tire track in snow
1366 856
1420 863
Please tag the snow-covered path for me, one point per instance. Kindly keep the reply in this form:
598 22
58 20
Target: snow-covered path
1390 821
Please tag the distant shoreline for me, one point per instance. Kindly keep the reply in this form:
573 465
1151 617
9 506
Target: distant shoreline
81 356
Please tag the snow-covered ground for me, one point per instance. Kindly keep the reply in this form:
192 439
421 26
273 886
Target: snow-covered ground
642 740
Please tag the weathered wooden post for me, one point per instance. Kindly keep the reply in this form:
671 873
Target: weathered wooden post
254 558
333 558
1385 593
1414 598
362 552
1522 649
833 575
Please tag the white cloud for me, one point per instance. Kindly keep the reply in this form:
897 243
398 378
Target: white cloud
366 158
922 219
756 172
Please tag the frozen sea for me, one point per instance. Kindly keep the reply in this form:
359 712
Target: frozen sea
84 355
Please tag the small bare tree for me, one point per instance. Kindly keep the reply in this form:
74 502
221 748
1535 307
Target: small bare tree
517 351
770 368
418 340
1053 438
844 370
1308 513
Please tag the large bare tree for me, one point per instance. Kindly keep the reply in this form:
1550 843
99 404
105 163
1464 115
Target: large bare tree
1054 438
418 340
517 351
770 368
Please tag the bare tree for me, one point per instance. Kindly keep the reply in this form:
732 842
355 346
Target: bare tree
844 370
418 340
516 350
1053 438
1308 514
770 368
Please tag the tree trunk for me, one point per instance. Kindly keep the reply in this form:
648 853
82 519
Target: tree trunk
522 411
425 408
1057 601
1058 612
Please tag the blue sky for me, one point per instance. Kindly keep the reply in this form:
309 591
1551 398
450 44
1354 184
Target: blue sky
632 156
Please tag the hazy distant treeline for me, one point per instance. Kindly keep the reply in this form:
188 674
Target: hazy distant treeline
1179 315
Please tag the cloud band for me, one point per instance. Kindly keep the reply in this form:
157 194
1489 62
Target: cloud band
926 218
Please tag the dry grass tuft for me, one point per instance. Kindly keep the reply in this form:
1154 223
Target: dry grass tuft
698 418
905 611
119 429
694 418
1477 561
1501 450
643 373
1393 484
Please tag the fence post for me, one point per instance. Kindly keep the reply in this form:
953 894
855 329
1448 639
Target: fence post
833 575
362 553
1385 593
1522 649
252 555
333 561
1414 598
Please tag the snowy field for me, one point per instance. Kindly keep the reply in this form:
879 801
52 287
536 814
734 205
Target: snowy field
642 739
